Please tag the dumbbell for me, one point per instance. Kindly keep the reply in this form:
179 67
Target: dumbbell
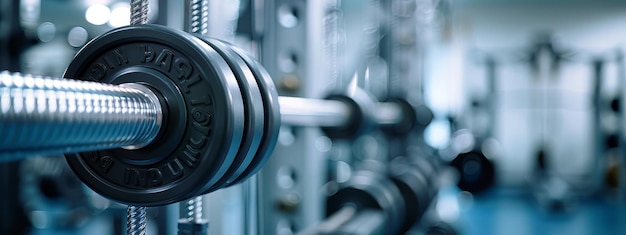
371 194
416 179
441 228
381 199
477 172
162 115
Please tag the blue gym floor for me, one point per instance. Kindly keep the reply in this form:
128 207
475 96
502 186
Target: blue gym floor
509 212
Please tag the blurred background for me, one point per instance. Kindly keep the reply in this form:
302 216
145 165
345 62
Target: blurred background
527 98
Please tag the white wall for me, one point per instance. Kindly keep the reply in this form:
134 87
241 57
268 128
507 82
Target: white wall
500 27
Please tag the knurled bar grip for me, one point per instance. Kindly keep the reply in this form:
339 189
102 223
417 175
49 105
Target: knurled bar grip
47 116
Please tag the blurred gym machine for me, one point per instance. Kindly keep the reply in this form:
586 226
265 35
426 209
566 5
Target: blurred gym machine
299 201
559 192
607 125
545 59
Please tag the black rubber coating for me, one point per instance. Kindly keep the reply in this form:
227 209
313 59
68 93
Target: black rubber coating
426 165
415 118
408 121
370 190
616 104
413 186
612 140
424 116
272 116
254 112
441 228
204 115
176 112
476 171
361 122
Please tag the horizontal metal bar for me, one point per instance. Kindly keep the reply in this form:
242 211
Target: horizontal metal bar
48 116
313 112
387 113
349 220
297 111
332 223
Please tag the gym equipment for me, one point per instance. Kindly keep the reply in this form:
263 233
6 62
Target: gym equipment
380 200
417 117
374 193
163 115
476 171
51 190
441 228
607 125
416 182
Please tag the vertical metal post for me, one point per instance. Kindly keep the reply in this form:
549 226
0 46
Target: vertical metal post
136 220
138 12
250 192
292 51
191 221
621 76
492 97
598 161
402 47
199 17
12 216
136 216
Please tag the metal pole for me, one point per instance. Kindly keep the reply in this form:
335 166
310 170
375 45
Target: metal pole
621 76
310 112
138 12
598 137
136 224
136 220
492 97
191 222
45 116
330 113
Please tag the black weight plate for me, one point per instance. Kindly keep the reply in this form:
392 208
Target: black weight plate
416 117
441 228
428 168
408 121
616 104
476 171
272 116
204 111
253 103
370 190
361 122
413 185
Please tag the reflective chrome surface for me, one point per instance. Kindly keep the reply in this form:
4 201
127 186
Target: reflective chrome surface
45 116
313 112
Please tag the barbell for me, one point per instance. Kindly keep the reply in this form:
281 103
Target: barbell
150 115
